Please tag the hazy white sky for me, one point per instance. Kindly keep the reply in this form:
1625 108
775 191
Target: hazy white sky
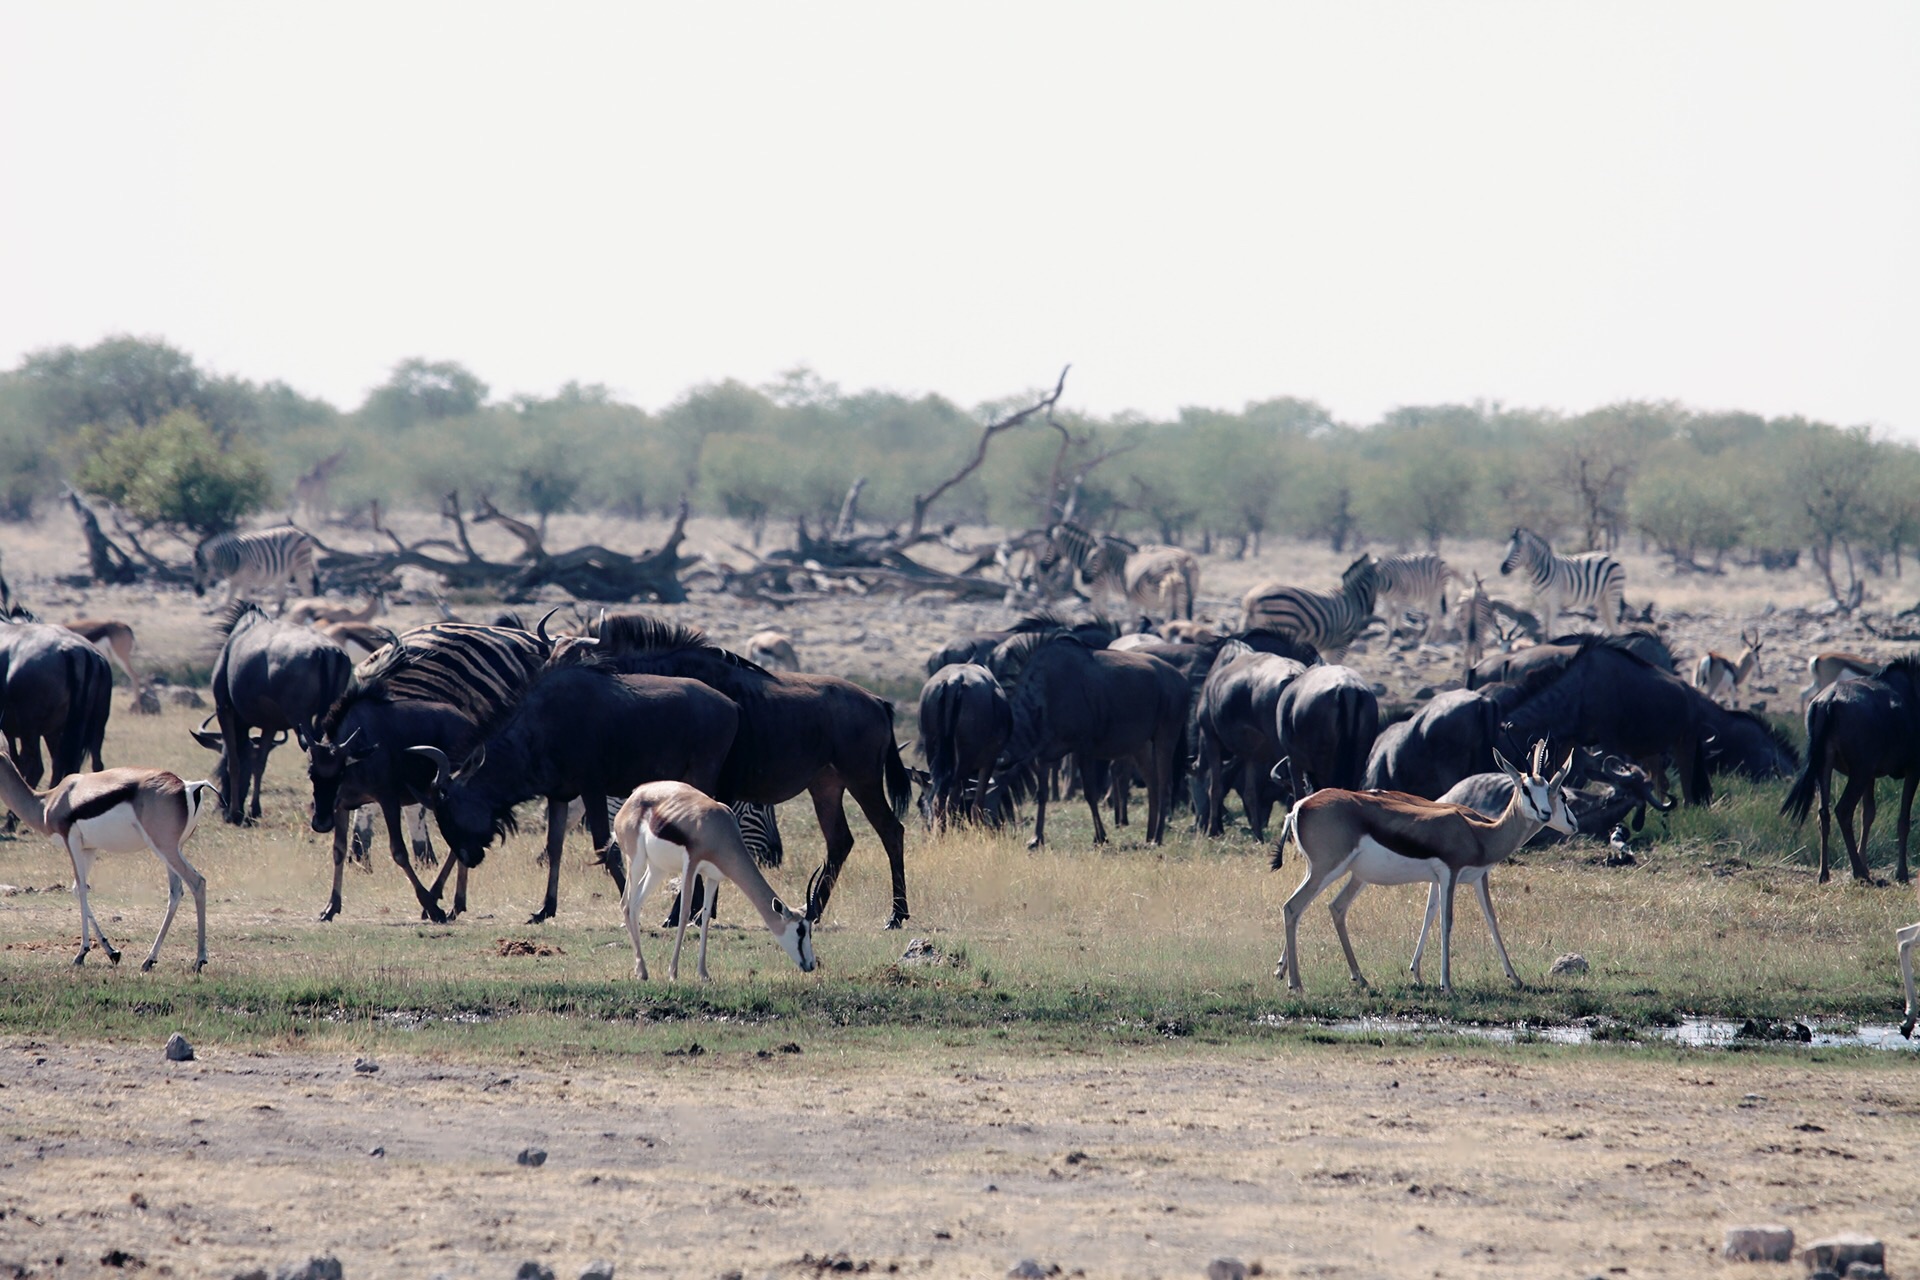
1365 204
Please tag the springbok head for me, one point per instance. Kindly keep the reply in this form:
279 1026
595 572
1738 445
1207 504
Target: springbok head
1542 798
1753 650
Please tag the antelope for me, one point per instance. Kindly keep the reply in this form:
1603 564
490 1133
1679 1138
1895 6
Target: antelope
312 610
117 811
1387 837
359 639
669 828
772 650
113 638
1832 667
1906 937
1716 674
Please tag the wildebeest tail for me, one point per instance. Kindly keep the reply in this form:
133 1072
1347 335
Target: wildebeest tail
899 781
1287 833
1800 795
89 702
1359 726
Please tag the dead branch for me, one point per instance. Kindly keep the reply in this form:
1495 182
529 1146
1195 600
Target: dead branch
923 501
484 510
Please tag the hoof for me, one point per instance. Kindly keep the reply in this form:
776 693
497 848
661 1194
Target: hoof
79 959
894 922
540 917
328 914
199 964
146 966
1906 1028
113 957
1033 842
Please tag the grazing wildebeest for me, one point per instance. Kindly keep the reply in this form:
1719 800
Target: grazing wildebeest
1613 790
1100 706
1236 723
579 731
1326 722
1747 744
1867 729
798 732
965 721
433 687
54 688
1096 632
1450 738
1608 696
1520 664
274 677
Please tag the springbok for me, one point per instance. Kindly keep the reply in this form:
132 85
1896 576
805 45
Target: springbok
117 811
113 638
1832 667
773 650
313 610
1716 674
359 639
669 828
1906 937
1387 837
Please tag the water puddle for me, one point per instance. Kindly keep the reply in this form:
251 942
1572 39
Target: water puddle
1694 1033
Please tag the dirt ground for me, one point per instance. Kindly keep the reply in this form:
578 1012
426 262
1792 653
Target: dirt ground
1315 1160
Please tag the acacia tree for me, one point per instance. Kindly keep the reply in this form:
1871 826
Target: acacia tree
174 474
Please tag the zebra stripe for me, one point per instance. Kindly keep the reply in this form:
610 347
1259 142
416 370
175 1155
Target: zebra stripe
1100 559
760 832
1594 580
1328 622
248 561
479 671
1416 583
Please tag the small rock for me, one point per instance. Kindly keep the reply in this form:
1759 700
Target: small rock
1226 1269
257 1273
327 1268
1837 1253
1758 1244
365 1066
190 698
921 951
1572 962
1026 1269
597 1270
533 1271
531 1157
1865 1271
178 1050
147 702
377 1152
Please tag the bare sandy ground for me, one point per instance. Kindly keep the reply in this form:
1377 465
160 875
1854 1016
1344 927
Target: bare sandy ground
1316 1161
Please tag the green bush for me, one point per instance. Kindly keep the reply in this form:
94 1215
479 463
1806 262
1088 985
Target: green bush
174 473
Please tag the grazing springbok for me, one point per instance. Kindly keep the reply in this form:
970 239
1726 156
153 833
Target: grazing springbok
669 828
1717 675
773 650
117 811
113 638
1832 667
1386 837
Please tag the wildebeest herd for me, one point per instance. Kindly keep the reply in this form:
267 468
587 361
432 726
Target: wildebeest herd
668 743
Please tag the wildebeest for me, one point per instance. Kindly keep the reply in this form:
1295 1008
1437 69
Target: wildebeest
1236 724
1612 790
965 721
1450 738
798 732
54 688
1326 722
274 678
1520 664
1100 706
1607 696
1867 729
1096 633
1747 744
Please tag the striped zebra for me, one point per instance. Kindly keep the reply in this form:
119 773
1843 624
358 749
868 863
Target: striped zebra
1099 559
478 671
759 827
256 561
1152 578
1414 584
1327 621
1593 580
1479 624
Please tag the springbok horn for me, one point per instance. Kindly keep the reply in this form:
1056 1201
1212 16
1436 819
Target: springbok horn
813 885
540 628
441 766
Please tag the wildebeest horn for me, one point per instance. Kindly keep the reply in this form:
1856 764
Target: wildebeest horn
1665 808
442 767
342 746
211 741
540 628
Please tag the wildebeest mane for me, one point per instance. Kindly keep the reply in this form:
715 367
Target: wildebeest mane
228 620
624 633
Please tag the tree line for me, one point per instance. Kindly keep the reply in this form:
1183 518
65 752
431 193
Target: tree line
138 424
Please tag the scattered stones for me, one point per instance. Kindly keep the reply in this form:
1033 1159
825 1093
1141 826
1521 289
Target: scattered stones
922 951
178 1050
1758 1244
147 702
1028 1269
525 947
365 1066
182 697
533 1271
531 1157
1838 1253
1226 1269
377 1152
1769 1030
1572 962
598 1269
121 1258
323 1268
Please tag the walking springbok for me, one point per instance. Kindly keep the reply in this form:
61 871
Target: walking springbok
1832 667
669 828
1386 837
113 638
117 811
1717 675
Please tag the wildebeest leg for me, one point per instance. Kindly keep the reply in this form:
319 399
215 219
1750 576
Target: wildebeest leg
1087 764
869 793
602 835
260 753
1212 778
342 822
977 811
458 870
396 842
1155 763
1906 821
556 840
1040 809
1824 776
1849 801
830 808
1868 806
1253 798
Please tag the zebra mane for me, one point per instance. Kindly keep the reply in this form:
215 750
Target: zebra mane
229 619
367 682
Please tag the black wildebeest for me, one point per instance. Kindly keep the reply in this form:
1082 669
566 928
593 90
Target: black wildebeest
272 677
56 688
965 721
1867 729
1608 696
1749 745
1100 706
1452 737
1326 722
799 731
433 687
1521 664
1096 632
579 731
1236 724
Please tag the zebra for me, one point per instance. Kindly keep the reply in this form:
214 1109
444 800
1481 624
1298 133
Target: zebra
255 561
1327 621
1152 577
759 826
1100 559
1594 579
1163 580
1414 584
